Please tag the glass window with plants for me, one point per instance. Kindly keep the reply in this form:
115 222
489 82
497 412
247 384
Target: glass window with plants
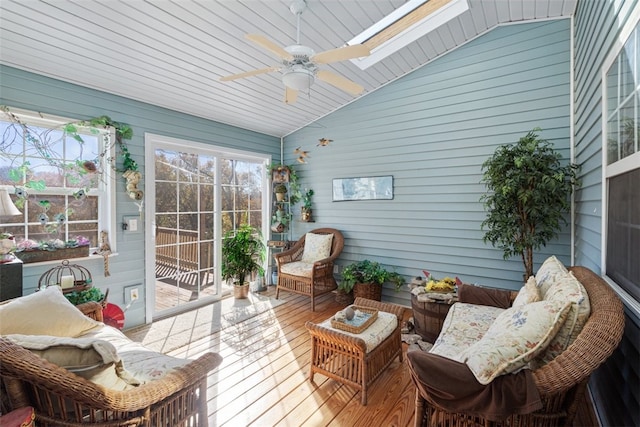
57 175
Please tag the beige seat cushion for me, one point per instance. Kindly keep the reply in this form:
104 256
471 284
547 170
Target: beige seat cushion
549 273
377 332
298 268
46 312
143 364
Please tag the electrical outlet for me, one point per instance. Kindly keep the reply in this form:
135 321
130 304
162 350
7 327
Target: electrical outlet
132 293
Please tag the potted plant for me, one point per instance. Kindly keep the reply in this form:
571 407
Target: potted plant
365 278
306 206
528 196
243 252
280 191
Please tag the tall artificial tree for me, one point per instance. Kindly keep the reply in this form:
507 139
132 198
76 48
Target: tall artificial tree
529 188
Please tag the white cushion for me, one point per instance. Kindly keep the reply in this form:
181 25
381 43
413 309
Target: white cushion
94 360
464 325
550 272
567 289
516 337
527 294
46 312
316 247
297 268
377 332
143 364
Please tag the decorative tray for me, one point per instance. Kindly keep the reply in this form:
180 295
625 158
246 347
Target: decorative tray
359 322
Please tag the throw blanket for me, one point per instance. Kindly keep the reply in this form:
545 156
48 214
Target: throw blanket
450 385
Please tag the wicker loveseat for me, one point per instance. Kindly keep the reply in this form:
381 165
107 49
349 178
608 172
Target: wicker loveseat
559 385
307 267
60 397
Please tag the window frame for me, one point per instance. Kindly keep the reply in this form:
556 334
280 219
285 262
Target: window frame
106 189
628 163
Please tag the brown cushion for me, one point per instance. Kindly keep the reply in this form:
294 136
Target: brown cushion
484 296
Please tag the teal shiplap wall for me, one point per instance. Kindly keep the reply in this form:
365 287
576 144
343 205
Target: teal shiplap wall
26 90
432 130
616 385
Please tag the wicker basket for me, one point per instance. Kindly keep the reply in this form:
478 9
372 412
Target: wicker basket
356 329
343 297
371 291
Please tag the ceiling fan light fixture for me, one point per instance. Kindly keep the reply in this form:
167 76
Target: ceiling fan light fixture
298 78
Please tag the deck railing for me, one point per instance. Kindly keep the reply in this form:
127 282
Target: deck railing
178 249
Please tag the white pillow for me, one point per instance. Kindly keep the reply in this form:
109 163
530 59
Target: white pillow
46 312
316 247
516 336
527 294
550 272
94 360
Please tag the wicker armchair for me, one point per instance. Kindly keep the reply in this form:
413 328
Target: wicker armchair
320 280
61 398
563 381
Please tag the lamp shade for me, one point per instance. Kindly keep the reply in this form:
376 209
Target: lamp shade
298 78
7 208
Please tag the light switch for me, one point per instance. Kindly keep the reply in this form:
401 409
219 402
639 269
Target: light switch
133 225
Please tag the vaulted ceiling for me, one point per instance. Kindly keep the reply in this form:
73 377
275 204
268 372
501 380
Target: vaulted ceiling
172 53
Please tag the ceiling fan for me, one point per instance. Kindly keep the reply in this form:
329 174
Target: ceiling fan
300 63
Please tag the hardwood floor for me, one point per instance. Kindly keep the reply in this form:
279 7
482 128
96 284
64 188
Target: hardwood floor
263 380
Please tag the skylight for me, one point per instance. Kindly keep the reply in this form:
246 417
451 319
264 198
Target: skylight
404 25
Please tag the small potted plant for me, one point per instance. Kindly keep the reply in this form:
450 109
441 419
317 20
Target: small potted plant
280 191
243 252
365 278
306 206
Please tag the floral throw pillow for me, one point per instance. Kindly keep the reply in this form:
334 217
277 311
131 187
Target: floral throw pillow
517 336
316 247
527 294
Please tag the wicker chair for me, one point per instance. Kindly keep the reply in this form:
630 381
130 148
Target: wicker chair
61 398
563 381
321 280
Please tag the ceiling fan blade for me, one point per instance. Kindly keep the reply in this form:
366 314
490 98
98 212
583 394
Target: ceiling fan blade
249 74
340 82
269 45
341 54
290 95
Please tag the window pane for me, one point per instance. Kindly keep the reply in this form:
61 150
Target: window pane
166 197
627 70
206 198
165 168
628 129
188 197
623 231
612 88
86 209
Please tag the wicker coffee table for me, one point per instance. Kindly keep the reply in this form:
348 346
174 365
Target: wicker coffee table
344 357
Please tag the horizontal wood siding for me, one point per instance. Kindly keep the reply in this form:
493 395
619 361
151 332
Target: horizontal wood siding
432 130
26 90
597 25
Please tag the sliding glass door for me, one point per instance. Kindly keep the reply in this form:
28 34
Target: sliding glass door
200 193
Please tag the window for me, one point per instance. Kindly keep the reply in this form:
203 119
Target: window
622 165
58 175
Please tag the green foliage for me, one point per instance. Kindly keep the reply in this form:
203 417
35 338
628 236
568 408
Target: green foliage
528 196
243 252
80 297
306 198
367 271
294 185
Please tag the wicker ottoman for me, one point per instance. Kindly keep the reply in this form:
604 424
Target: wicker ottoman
344 357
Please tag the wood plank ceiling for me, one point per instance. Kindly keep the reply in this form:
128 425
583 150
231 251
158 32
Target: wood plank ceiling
171 53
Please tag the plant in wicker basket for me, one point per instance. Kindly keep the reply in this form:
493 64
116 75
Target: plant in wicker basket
365 279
